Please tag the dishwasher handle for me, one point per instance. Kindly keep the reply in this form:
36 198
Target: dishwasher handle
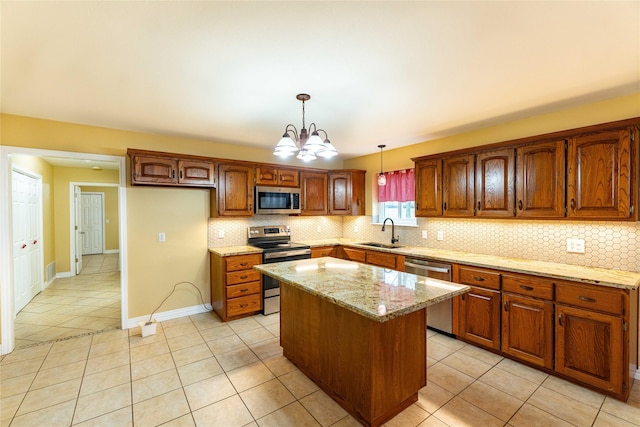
428 267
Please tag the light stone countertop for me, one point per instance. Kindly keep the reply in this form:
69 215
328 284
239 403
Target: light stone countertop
377 293
591 275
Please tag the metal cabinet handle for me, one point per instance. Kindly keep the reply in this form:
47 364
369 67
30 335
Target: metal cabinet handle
573 204
506 306
463 296
244 277
560 320
173 173
520 204
479 205
244 264
586 299
444 205
526 288
244 290
250 207
244 305
180 173
478 278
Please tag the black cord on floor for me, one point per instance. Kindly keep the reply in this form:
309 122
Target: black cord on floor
174 289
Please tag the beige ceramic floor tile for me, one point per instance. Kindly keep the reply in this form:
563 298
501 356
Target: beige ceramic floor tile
105 379
432 397
172 331
217 332
267 320
244 325
323 408
449 378
183 421
607 420
267 349
254 336
230 412
20 355
279 365
491 400
432 421
50 396
47 377
142 352
226 344
121 418
155 385
574 391
249 376
152 366
102 402
160 409
438 351
457 412
9 407
208 391
522 371
412 416
292 415
56 415
63 358
447 341
198 371
274 329
237 358
108 347
72 344
16 385
563 407
509 383
106 362
266 398
193 354
627 412
184 341
481 355
466 364
298 383
530 416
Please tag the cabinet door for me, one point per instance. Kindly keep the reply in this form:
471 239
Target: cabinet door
479 317
428 175
527 329
590 348
353 254
235 190
266 176
458 181
495 183
314 193
194 172
153 170
340 193
540 181
288 178
599 176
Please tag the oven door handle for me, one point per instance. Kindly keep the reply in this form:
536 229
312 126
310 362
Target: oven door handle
284 254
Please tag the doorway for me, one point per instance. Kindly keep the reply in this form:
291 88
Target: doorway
7 269
91 223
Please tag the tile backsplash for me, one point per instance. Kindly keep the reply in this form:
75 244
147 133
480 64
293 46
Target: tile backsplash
607 244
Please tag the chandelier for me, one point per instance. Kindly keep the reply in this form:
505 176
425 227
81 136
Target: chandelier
309 147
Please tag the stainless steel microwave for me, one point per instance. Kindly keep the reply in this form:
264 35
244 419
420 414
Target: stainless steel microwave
277 200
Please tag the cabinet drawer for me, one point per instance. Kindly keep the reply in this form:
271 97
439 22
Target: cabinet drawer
607 300
479 277
243 305
243 289
352 254
242 276
382 259
324 251
527 285
242 262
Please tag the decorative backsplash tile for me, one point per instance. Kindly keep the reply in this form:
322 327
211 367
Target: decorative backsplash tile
607 244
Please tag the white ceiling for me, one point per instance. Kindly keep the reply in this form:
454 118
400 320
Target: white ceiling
393 73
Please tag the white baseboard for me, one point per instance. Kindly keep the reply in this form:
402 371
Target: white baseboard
172 314
111 251
637 374
64 274
47 284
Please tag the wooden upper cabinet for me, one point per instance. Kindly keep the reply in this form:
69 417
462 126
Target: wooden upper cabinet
495 183
346 193
266 175
599 177
235 191
314 191
540 173
428 175
458 185
166 169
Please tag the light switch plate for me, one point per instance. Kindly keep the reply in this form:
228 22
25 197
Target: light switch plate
424 234
440 235
162 237
220 234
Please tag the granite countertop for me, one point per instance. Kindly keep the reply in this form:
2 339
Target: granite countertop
591 275
377 293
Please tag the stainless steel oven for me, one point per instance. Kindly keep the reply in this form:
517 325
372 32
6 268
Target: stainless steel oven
275 242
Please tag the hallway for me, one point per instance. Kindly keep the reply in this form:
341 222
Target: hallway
73 306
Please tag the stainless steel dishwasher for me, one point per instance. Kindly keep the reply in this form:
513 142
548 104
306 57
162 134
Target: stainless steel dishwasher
439 316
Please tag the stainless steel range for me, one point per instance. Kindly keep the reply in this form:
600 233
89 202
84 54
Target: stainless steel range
275 241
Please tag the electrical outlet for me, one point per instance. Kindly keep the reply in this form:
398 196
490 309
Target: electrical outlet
220 234
424 234
161 237
319 229
440 235
355 228
575 246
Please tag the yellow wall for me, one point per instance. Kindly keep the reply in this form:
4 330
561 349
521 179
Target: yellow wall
62 177
584 115
110 213
44 169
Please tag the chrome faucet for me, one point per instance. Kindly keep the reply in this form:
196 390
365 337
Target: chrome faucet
394 239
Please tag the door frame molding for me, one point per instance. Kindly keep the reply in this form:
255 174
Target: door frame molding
7 335
33 175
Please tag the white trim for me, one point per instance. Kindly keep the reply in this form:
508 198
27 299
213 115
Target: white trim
171 314
636 373
64 274
7 336
111 251
47 284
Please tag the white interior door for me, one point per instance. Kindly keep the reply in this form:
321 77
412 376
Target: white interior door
27 256
77 212
92 223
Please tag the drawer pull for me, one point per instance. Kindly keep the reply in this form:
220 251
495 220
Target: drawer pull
244 277
526 288
478 278
244 290
244 305
244 264
586 299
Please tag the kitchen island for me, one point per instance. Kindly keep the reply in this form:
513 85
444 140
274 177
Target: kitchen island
358 331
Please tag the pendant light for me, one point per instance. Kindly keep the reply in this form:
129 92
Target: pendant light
308 147
382 180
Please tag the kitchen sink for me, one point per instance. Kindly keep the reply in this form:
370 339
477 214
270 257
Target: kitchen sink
380 245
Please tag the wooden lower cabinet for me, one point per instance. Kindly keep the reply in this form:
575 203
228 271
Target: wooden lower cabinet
236 288
353 254
527 329
324 251
479 317
386 260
